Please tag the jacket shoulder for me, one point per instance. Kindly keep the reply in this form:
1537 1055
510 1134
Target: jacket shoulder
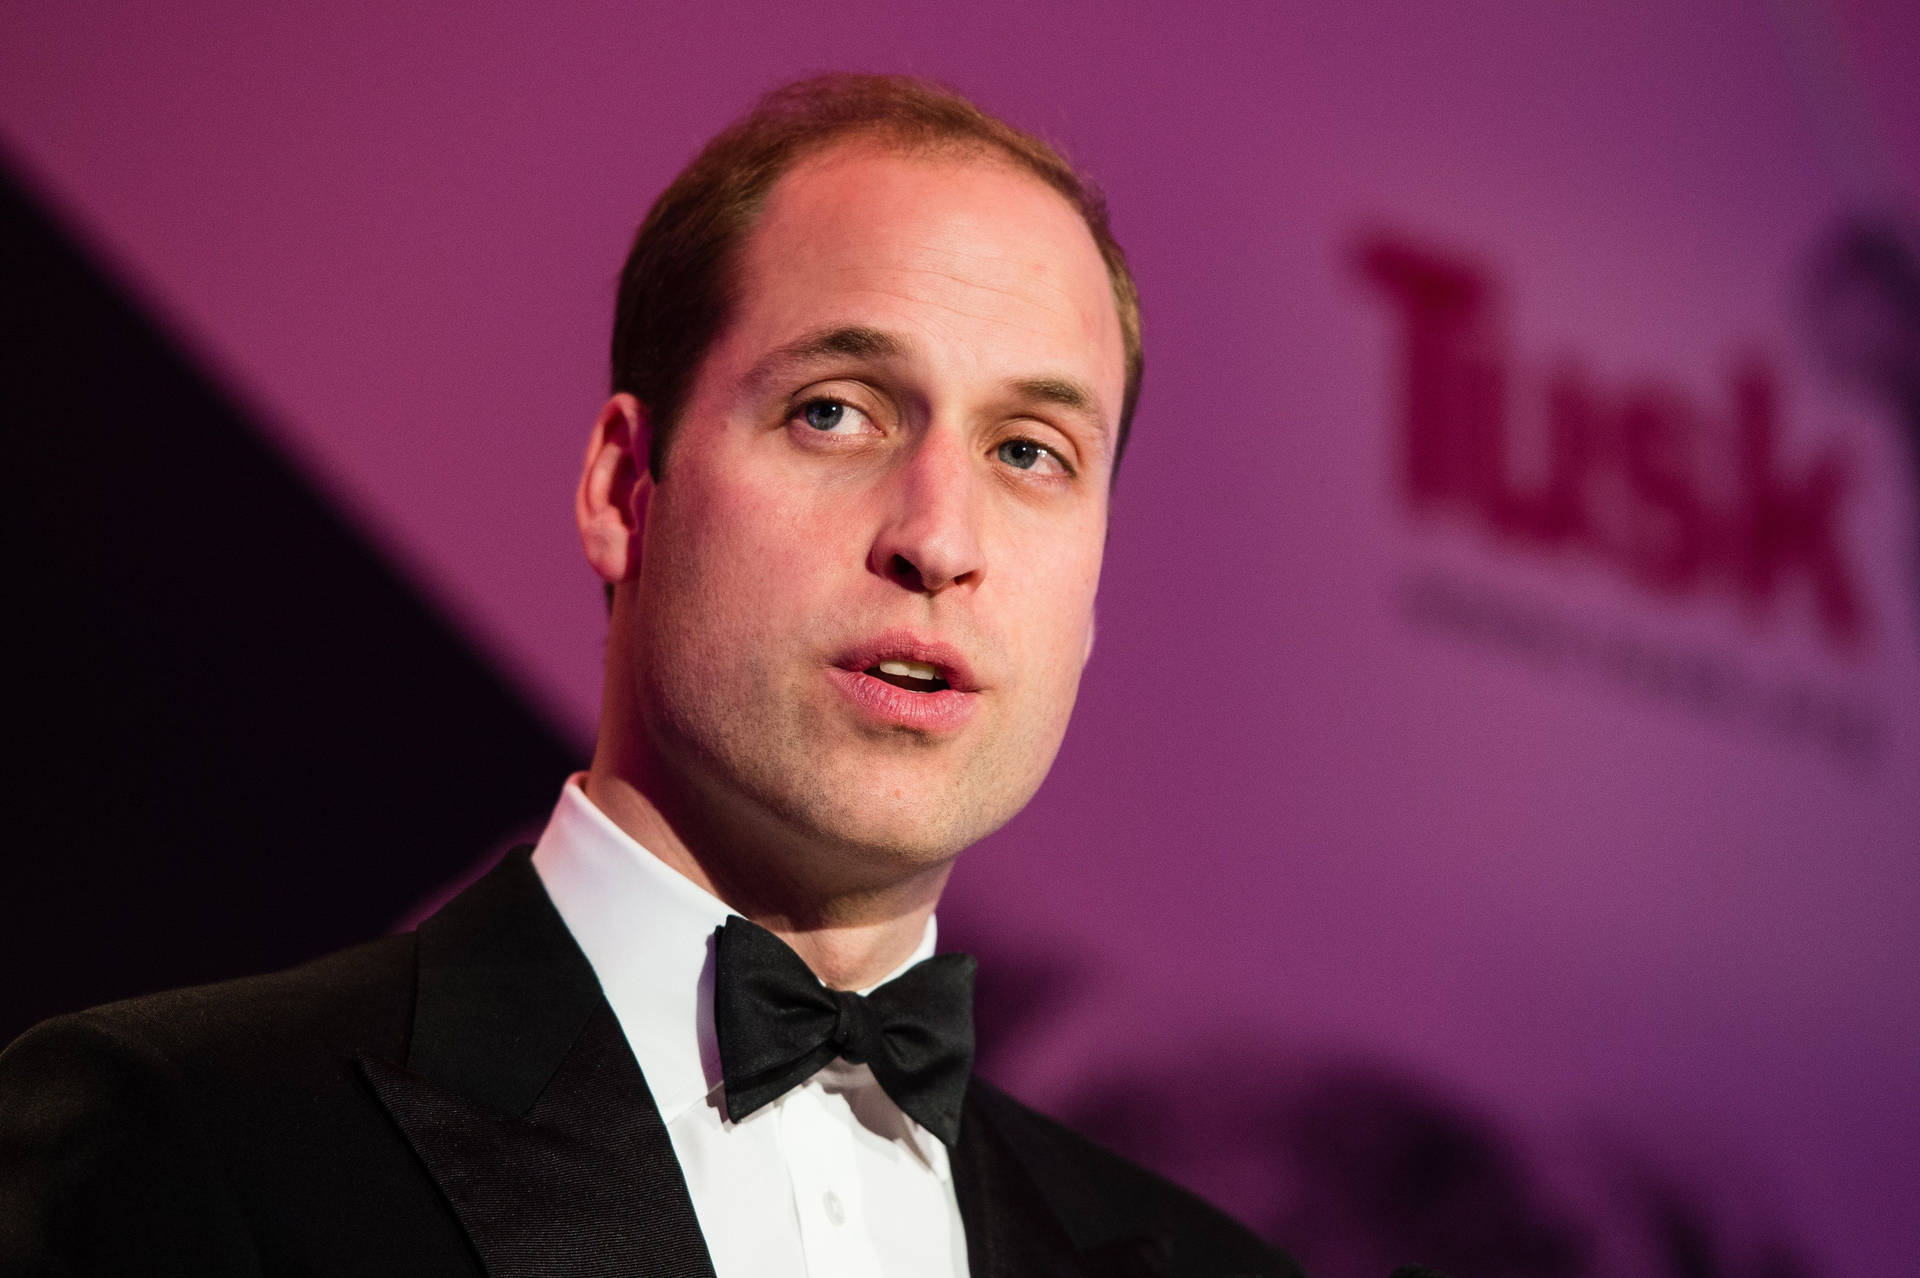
1098 1194
354 1000
174 1124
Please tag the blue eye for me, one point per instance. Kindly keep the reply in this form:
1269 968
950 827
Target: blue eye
823 414
1021 453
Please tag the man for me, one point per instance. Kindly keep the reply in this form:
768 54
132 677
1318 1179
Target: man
874 361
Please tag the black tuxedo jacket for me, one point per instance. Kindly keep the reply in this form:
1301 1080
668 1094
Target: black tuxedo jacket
459 1100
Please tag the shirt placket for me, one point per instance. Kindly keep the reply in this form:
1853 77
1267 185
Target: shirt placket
827 1194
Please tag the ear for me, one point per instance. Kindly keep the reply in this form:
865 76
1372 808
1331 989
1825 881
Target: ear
1092 625
610 505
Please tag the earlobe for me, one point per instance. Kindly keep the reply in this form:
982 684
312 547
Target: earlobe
611 502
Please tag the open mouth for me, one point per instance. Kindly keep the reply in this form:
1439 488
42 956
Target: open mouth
914 676
899 680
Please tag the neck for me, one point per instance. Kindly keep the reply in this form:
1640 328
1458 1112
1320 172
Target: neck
851 932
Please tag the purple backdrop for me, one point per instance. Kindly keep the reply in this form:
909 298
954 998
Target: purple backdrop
1576 774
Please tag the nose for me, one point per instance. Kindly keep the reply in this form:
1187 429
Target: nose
929 540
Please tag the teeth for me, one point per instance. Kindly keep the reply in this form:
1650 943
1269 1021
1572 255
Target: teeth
910 669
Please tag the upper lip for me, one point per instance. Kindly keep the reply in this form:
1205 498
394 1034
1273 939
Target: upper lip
904 645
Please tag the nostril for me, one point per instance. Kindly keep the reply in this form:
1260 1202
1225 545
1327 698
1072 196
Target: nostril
902 567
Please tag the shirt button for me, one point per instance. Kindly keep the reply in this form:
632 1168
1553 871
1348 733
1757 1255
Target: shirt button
835 1212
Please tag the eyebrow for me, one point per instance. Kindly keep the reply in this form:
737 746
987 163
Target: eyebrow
1062 392
846 342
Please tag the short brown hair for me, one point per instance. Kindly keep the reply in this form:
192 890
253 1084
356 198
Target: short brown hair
677 283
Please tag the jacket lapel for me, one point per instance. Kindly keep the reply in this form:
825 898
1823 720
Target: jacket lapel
520 1096
1029 1212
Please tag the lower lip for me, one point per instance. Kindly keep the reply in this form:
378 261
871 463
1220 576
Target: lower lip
944 711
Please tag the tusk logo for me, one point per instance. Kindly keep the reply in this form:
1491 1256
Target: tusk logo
1684 498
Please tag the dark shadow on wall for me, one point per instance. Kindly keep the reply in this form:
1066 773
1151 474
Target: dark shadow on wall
1861 304
1358 1166
239 738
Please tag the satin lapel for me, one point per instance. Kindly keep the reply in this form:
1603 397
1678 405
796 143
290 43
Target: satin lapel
1010 1234
583 1183
1025 1219
520 1096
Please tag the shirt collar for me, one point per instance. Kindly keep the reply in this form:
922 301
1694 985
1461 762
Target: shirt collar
647 930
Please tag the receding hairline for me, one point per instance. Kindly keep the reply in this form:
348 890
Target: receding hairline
912 139
916 144
857 340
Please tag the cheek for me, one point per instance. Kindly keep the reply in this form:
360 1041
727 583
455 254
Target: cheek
713 538
738 565
1057 620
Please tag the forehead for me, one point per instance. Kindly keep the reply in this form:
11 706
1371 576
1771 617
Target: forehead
960 252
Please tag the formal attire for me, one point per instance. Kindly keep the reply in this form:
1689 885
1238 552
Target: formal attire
467 1099
830 1178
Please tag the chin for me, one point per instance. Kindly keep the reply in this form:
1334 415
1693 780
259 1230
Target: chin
909 834
914 822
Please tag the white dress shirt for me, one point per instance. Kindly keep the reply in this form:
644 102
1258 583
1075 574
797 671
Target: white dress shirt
829 1181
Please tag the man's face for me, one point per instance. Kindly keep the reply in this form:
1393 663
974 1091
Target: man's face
893 463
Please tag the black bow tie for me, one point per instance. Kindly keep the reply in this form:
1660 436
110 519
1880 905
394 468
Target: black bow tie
777 1025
